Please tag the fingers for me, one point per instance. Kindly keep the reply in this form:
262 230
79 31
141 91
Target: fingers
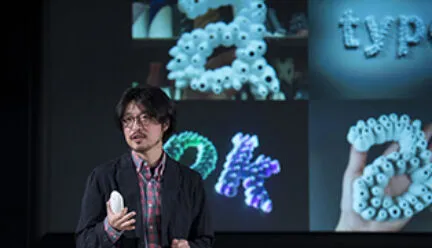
356 162
129 228
393 147
114 217
122 220
428 135
174 243
179 243
183 244
109 210
428 131
126 217
122 213
128 225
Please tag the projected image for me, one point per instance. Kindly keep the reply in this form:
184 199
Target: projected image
412 158
370 50
225 49
206 156
237 167
255 176
379 32
387 190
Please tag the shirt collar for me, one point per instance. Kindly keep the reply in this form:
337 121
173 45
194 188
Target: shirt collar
140 164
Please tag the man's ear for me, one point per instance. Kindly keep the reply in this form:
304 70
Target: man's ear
166 125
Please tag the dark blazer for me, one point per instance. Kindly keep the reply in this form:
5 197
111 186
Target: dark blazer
184 210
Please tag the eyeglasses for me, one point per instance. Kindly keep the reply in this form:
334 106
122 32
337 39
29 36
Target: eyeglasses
142 119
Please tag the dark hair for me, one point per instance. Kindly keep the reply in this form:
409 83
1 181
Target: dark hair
156 102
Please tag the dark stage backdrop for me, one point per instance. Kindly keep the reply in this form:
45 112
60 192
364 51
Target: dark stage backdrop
329 122
85 48
340 73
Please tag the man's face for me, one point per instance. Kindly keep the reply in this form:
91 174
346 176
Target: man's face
141 132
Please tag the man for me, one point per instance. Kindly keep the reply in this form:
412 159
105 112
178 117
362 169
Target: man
165 202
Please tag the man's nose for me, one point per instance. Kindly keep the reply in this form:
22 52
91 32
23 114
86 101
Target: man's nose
136 124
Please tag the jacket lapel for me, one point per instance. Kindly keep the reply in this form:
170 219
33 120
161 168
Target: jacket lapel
128 187
170 188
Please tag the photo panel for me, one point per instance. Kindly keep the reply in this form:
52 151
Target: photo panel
253 158
370 49
221 50
393 186
89 61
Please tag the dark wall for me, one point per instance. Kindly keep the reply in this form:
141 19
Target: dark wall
21 31
87 43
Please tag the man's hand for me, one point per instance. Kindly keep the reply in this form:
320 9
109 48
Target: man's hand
352 221
121 221
180 243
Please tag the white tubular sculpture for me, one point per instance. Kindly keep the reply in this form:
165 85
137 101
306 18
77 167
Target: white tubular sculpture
413 159
246 32
116 202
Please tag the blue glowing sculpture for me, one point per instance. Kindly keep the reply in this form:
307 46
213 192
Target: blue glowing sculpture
206 158
239 169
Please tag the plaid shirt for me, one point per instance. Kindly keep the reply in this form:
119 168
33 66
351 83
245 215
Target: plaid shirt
150 201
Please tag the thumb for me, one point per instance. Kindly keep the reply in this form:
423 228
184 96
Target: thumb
175 241
356 163
109 210
428 135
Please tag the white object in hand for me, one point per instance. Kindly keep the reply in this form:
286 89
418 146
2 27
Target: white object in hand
116 202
